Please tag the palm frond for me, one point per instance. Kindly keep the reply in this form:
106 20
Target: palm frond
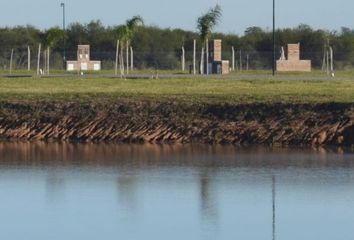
122 33
208 21
53 36
134 22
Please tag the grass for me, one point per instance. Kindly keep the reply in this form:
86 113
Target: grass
314 73
255 88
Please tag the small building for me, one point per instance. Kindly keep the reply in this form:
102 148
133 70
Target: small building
216 64
220 67
293 63
83 62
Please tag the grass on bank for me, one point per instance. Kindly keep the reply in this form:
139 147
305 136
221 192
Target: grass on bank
236 74
263 88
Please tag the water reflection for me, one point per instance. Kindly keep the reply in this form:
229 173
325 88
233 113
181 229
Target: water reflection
140 156
127 191
208 204
55 187
273 207
174 192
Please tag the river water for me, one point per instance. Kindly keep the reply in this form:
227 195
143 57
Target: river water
87 191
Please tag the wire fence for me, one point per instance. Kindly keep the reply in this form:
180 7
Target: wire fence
22 59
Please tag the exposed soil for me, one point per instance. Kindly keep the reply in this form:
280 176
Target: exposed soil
172 122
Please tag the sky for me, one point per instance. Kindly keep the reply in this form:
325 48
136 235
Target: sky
237 14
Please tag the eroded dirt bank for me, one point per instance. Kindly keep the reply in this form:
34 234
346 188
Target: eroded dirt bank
169 122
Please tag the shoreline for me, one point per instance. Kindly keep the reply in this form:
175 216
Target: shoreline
124 121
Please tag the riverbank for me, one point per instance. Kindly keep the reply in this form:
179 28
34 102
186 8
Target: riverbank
127 121
247 110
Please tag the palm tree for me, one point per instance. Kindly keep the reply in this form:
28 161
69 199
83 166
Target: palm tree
122 36
205 25
53 36
125 34
132 25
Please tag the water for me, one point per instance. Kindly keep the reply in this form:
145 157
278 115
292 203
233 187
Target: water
64 191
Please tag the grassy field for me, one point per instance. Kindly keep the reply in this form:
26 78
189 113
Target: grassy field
255 87
236 74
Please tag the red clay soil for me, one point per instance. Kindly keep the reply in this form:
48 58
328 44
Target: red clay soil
172 122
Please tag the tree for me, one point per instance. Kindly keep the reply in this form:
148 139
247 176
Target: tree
122 35
160 48
53 36
205 25
77 34
125 34
131 26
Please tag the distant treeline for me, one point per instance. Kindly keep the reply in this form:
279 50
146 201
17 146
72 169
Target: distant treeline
161 48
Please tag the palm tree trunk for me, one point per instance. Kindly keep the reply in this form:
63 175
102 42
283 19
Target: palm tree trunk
45 61
11 58
48 62
327 62
116 65
202 62
233 58
331 58
194 54
324 59
183 60
28 58
240 61
38 58
207 55
127 55
122 70
131 59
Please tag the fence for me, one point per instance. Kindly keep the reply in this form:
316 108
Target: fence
21 59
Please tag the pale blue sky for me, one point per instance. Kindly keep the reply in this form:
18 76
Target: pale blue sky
237 14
